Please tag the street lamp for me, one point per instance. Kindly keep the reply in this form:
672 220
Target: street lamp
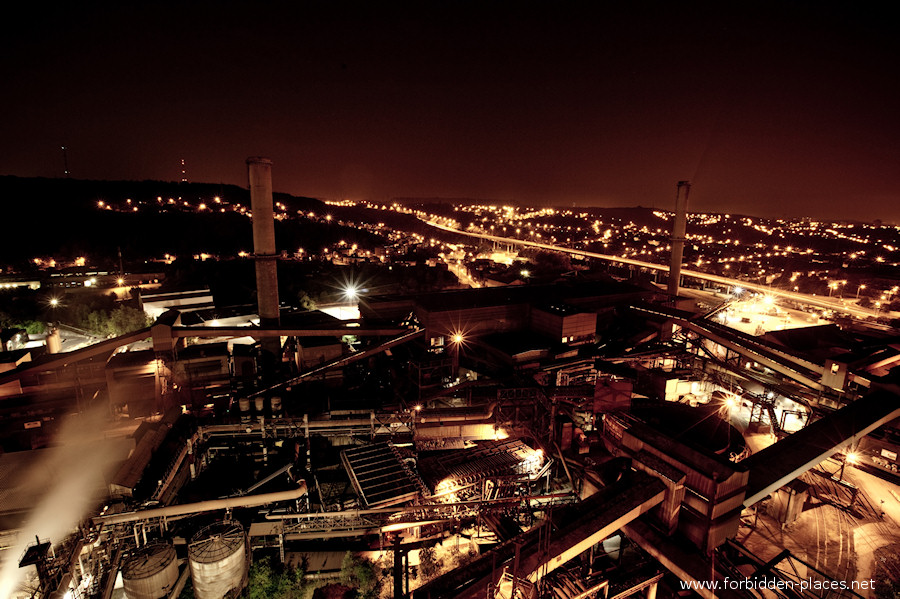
457 340
54 303
852 458
858 289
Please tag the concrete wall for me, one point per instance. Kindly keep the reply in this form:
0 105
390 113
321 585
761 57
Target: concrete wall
713 490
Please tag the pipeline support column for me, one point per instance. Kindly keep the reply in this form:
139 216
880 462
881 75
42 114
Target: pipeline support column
259 171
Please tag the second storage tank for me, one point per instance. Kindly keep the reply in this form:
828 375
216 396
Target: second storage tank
218 559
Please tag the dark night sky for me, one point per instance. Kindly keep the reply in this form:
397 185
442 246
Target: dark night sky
775 109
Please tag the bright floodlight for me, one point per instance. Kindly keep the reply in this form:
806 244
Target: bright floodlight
351 292
730 402
769 299
738 290
54 302
852 457
457 338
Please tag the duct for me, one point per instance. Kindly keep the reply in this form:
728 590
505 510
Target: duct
457 414
202 506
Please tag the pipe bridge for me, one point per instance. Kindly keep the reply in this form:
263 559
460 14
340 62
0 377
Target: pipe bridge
779 464
793 367
540 551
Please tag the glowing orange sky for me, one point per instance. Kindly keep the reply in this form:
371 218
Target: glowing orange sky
770 111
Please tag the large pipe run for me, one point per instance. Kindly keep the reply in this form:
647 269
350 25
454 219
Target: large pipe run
259 171
679 231
203 506
418 508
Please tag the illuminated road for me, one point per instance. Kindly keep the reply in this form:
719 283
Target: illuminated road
459 269
827 303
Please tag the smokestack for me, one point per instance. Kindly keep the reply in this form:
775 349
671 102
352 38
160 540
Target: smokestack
679 228
259 171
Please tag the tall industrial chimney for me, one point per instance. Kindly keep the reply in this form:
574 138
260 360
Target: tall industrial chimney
259 171
679 228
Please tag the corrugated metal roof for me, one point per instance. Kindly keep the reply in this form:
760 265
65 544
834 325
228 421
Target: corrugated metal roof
379 475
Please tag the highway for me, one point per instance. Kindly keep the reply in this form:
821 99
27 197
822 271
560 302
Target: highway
828 303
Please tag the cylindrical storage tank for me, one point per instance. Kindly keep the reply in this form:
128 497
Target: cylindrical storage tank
244 404
260 404
218 560
150 572
276 405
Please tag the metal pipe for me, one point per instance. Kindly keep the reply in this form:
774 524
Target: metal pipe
277 331
203 506
414 508
113 571
260 483
335 534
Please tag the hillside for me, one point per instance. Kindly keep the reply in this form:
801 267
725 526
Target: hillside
62 218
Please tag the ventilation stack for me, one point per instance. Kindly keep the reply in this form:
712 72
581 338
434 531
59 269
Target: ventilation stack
679 228
259 171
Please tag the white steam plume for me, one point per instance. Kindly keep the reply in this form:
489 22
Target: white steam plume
67 481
